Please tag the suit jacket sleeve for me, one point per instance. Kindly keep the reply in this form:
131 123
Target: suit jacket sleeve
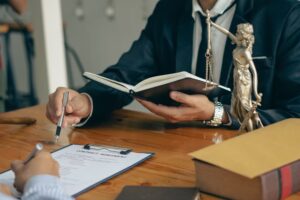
286 87
134 66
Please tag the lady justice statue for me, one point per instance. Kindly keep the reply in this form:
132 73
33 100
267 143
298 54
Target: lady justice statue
244 76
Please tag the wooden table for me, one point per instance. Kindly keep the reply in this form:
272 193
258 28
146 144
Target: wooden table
171 165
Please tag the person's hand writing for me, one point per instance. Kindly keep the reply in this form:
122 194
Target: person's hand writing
42 163
79 107
193 107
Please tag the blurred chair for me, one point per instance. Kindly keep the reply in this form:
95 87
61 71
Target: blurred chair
12 97
3 30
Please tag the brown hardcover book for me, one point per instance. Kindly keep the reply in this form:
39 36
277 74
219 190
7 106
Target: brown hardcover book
263 164
277 184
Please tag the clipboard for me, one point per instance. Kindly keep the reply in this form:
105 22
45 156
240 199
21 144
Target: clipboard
82 168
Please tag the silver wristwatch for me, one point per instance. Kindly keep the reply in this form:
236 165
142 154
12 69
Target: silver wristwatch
218 115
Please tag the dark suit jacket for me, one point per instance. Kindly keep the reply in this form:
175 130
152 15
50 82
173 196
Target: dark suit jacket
165 46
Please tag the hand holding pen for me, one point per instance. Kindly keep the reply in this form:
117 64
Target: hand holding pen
61 119
38 162
38 147
78 107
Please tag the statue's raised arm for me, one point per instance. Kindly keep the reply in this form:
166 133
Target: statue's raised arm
210 23
226 32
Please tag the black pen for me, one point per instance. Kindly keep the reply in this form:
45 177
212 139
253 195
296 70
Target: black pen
61 119
38 147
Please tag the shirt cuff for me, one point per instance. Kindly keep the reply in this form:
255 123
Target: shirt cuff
5 197
41 181
84 121
44 187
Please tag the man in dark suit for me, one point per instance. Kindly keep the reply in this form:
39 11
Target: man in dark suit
169 44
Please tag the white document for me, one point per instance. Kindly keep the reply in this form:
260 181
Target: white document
81 169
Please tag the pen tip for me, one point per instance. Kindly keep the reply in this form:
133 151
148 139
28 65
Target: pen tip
58 129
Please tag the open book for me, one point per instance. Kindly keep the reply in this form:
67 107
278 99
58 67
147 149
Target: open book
156 89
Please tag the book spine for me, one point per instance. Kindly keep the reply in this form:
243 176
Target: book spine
281 183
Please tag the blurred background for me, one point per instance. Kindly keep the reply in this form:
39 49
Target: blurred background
49 43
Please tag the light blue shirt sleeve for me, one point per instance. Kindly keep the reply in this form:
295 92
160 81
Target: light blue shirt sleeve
44 187
5 197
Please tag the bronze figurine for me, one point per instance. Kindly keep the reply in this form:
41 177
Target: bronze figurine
244 77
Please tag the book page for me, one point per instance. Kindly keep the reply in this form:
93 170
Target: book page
156 80
81 169
109 82
168 78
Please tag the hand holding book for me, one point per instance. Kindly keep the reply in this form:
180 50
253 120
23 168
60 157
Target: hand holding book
193 107
176 97
157 89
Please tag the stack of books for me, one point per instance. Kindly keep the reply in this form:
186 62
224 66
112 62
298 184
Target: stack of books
263 164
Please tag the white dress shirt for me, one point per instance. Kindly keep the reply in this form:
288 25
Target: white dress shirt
218 39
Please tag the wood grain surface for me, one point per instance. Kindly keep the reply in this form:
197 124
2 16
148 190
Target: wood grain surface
171 143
